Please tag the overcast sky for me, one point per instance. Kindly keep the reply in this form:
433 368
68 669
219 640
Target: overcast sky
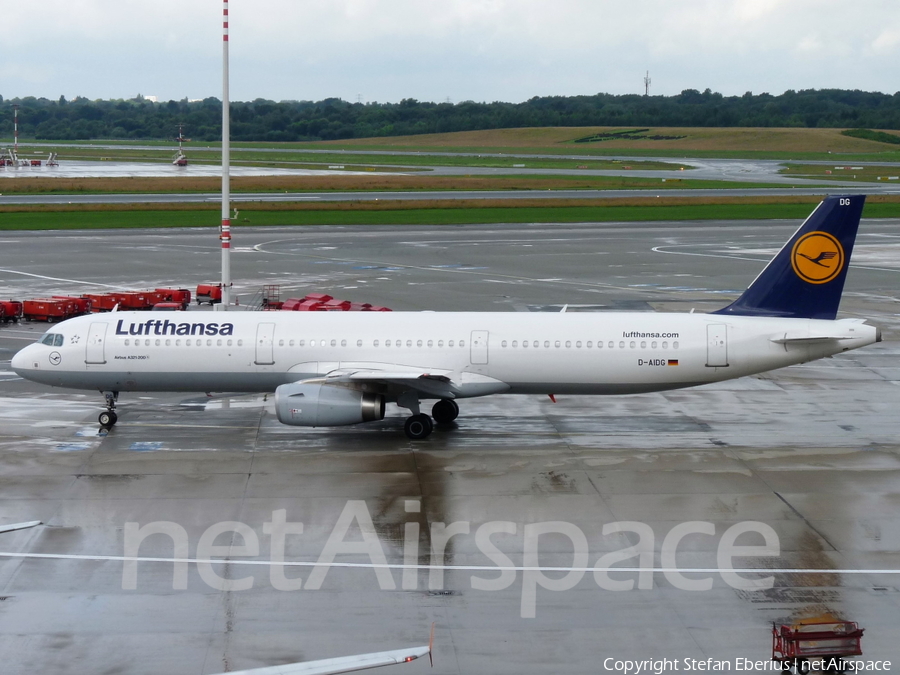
434 50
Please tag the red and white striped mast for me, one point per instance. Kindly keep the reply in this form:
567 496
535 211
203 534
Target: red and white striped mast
225 231
16 130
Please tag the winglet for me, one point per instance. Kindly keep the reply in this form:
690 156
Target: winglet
806 278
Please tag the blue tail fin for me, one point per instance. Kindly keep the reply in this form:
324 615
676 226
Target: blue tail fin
806 278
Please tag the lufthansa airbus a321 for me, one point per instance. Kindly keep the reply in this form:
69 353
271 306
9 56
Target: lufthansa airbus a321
330 369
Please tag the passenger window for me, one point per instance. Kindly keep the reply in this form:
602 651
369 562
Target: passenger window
515 344
675 345
578 345
218 343
334 343
450 344
312 343
146 343
524 344
631 344
418 343
178 343
387 343
127 342
209 343
359 343
281 343
462 343
665 345
168 343
591 344
503 344
653 345
643 345
343 343
430 343
440 343
535 344
556 344
241 343
290 344
569 344
301 342
186 342
547 344
409 343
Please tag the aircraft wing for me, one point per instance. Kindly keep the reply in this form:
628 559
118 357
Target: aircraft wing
341 664
19 526
430 382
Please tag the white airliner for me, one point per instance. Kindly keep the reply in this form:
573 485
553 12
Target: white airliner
330 369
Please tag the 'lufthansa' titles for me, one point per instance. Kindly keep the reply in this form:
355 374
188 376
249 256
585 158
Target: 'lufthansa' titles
166 327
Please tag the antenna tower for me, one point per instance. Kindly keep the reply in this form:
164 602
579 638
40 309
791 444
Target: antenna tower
647 84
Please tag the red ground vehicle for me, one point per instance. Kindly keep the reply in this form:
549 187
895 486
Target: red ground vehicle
211 293
12 310
136 300
81 305
46 309
168 307
180 295
103 302
819 641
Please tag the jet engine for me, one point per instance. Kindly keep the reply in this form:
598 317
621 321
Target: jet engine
322 405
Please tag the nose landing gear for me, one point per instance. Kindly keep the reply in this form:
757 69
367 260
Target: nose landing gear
108 418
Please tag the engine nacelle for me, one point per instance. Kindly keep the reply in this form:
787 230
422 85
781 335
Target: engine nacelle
322 405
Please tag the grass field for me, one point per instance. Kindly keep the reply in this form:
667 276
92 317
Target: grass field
775 143
338 183
437 212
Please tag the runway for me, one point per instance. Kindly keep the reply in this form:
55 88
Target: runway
809 451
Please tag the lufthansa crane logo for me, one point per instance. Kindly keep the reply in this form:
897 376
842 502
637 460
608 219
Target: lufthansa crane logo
817 257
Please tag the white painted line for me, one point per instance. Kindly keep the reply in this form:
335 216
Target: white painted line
72 281
450 568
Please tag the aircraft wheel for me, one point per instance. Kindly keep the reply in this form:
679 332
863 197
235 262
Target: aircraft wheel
445 411
418 427
108 418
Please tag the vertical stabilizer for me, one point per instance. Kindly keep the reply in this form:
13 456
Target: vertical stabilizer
806 278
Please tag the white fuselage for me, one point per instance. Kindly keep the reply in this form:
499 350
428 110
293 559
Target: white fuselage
539 353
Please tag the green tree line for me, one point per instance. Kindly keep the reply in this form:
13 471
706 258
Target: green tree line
332 118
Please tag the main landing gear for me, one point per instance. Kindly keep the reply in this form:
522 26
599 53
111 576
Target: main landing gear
108 418
419 425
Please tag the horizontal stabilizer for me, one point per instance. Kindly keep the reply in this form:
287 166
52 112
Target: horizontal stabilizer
342 664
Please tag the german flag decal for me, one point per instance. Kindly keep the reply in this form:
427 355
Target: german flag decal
673 362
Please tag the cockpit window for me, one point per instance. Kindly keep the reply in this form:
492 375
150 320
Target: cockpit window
52 340
58 340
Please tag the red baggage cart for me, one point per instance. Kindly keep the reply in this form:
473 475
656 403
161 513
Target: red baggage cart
80 305
12 310
211 293
45 309
815 641
181 295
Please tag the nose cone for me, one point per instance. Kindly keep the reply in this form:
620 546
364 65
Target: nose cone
22 363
